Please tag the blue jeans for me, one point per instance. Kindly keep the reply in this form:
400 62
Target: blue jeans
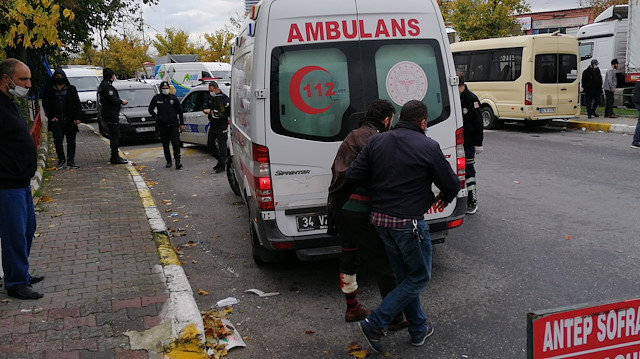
636 134
17 226
410 257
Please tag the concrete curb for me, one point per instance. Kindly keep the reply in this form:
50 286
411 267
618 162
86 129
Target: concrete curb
43 152
182 311
599 126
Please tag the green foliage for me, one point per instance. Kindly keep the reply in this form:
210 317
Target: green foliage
219 46
174 42
598 6
481 19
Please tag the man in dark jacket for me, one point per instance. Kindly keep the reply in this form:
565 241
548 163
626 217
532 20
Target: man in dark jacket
168 119
636 101
592 87
110 110
473 136
348 212
219 112
400 167
18 162
62 106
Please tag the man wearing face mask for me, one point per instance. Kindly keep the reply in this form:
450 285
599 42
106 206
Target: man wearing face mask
168 118
219 113
63 109
111 103
18 162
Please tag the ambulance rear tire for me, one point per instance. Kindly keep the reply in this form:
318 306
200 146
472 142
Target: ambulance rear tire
489 120
231 176
263 256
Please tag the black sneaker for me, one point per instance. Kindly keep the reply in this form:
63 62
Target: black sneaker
168 165
119 161
72 165
635 145
60 164
472 207
371 334
428 330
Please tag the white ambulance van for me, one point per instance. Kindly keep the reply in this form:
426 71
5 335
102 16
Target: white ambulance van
303 73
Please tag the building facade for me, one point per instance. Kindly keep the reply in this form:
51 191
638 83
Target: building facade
565 21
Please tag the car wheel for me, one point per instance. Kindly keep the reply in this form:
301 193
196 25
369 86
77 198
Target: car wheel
212 143
231 177
489 121
263 256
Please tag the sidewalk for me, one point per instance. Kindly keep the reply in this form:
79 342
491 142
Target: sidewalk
105 285
619 124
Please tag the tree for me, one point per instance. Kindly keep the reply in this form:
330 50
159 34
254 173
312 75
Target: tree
219 46
598 6
446 11
481 19
126 55
173 41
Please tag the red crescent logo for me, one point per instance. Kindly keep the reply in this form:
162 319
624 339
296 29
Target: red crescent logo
294 90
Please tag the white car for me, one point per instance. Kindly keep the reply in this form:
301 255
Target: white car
196 122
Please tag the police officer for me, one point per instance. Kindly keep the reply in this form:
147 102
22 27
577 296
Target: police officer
168 119
110 111
473 136
219 112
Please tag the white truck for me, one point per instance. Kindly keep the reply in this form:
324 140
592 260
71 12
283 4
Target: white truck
614 34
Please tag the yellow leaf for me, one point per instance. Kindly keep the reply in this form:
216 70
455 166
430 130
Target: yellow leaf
360 354
202 292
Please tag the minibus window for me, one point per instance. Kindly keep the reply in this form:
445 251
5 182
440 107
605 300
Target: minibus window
410 72
568 71
312 92
546 68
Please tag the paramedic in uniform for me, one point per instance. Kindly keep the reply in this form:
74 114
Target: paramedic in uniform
168 120
110 111
472 129
219 112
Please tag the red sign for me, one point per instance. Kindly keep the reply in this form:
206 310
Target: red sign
334 30
608 331
318 90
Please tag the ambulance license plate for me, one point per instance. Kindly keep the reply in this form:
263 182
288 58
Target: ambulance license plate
311 222
548 110
145 129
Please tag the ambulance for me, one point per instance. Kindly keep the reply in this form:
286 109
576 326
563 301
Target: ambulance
303 73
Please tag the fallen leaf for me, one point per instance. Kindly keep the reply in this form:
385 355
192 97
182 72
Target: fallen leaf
46 198
194 195
197 177
6 300
166 201
168 210
194 261
189 244
52 225
56 215
202 292
175 220
360 354
57 189
103 180
309 331
568 237
150 183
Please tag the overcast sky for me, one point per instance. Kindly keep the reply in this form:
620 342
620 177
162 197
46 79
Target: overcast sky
197 17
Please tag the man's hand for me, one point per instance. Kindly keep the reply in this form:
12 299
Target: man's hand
125 102
206 111
478 149
440 204
181 128
77 122
54 119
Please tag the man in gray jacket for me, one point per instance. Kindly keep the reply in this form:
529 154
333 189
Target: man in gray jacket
609 86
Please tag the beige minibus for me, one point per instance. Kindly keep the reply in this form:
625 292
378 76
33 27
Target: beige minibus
533 78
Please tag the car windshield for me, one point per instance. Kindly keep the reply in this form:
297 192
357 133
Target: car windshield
85 83
137 97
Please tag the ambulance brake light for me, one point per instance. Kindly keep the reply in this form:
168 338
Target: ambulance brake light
460 159
262 178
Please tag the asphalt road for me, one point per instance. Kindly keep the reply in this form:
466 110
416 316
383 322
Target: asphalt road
557 226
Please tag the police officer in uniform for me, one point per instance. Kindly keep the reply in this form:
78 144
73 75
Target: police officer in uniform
473 136
110 111
168 118
219 111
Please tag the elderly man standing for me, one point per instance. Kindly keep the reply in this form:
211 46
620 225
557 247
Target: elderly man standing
400 166
18 161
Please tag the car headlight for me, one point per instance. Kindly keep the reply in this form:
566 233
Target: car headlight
123 119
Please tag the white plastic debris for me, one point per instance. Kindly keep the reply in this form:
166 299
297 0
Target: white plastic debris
260 293
227 302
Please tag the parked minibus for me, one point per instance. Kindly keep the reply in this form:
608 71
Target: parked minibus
303 73
183 76
533 78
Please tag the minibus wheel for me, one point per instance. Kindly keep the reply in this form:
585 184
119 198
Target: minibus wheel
489 121
263 256
231 176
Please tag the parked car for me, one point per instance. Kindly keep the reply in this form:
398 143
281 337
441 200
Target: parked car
196 123
87 82
135 120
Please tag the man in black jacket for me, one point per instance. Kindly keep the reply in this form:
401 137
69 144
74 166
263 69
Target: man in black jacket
592 86
473 136
18 162
636 101
110 110
219 112
62 106
168 119
400 167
